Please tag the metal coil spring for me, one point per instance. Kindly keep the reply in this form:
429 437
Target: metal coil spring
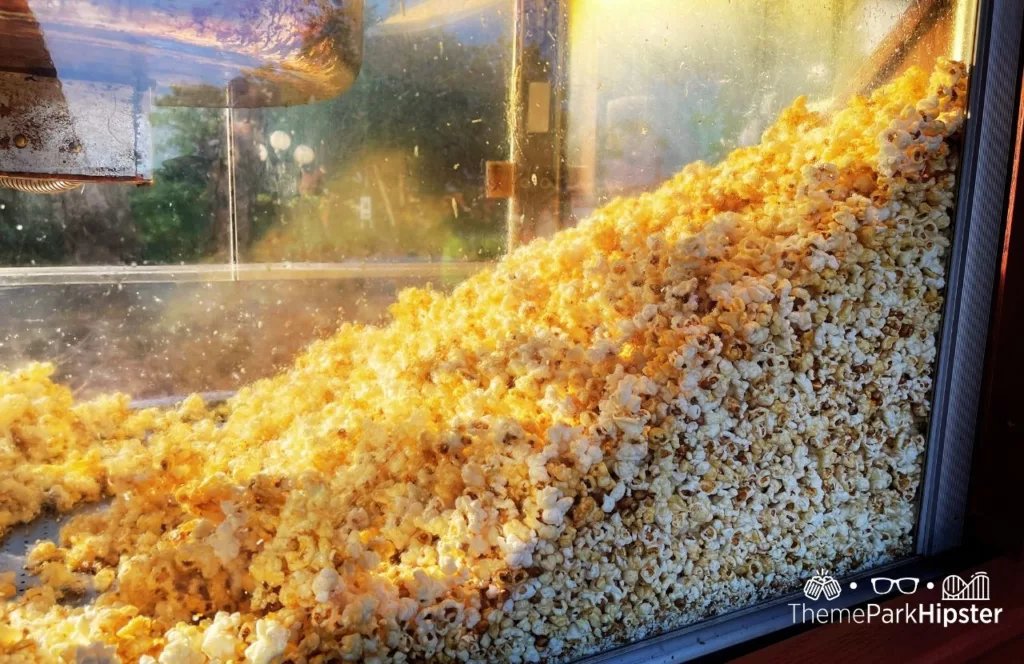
34 186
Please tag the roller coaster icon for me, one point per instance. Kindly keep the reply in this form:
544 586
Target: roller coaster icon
954 588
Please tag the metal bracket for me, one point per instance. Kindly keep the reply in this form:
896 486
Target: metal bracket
73 130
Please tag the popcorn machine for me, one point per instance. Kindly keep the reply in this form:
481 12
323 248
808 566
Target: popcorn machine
489 331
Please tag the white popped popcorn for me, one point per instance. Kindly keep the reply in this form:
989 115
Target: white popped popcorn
327 581
220 641
223 541
271 640
183 647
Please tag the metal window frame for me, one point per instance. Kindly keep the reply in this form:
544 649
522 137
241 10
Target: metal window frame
61 275
977 238
981 206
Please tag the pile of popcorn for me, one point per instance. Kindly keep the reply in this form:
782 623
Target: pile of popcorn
687 403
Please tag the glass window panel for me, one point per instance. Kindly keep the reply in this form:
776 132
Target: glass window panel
393 169
165 339
203 53
689 80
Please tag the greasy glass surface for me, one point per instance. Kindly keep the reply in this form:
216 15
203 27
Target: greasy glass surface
390 173
236 53
393 169
135 338
689 80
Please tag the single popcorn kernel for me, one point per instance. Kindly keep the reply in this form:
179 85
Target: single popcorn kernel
611 432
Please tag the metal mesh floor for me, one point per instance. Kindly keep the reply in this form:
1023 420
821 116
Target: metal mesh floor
19 542
20 539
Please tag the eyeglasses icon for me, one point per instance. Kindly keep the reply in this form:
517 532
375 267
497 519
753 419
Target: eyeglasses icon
883 586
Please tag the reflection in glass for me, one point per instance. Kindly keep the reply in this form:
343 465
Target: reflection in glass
394 169
236 53
686 80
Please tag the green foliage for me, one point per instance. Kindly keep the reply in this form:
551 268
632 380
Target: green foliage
188 131
30 234
174 217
